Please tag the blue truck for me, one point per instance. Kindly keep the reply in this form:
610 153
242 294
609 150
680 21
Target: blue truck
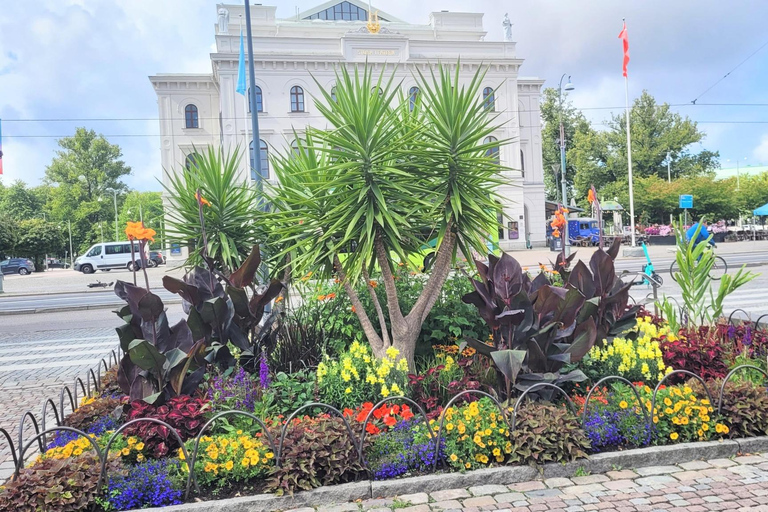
583 230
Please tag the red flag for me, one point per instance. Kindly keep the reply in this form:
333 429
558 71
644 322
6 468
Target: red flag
625 39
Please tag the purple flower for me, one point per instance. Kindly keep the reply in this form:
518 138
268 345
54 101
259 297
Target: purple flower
263 370
747 341
731 332
233 392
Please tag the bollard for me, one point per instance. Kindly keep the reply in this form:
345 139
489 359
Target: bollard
1 282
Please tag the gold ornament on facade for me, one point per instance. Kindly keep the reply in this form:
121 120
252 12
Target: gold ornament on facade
373 23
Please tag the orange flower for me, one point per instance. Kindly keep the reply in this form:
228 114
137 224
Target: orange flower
389 421
373 284
321 297
279 299
330 296
556 233
201 199
137 231
353 309
591 196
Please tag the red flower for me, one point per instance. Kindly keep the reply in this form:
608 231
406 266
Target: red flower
390 421
348 412
372 429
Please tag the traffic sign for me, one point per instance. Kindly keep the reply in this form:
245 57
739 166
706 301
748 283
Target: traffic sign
686 201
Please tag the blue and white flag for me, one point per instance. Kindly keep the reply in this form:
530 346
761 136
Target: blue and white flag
241 86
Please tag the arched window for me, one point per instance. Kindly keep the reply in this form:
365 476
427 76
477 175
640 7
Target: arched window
522 161
263 156
333 93
295 146
191 161
297 99
489 99
190 116
500 220
492 152
413 95
259 100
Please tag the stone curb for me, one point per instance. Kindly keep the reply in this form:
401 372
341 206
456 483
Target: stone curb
595 464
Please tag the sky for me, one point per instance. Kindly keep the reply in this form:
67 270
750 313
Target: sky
70 63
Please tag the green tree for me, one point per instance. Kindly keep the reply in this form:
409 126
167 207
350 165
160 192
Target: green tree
82 178
19 201
146 205
38 238
752 192
369 191
9 236
601 157
574 123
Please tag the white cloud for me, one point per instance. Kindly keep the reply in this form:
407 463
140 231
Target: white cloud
761 151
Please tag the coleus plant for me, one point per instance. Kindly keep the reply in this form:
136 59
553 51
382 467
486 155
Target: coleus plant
538 329
161 362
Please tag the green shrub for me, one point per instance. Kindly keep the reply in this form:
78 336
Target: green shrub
547 433
56 485
316 452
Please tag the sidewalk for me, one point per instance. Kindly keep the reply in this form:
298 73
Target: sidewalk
740 484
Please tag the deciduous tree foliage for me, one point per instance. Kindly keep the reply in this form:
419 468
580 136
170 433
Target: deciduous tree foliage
38 238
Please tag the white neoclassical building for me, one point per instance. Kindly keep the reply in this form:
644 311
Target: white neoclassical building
201 109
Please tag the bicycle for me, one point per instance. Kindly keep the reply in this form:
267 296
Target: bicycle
719 268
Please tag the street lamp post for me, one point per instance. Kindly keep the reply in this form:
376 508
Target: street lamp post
568 87
71 254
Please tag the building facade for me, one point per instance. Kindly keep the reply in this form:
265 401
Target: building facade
291 56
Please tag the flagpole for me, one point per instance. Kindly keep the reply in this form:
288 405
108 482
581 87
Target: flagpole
247 147
629 145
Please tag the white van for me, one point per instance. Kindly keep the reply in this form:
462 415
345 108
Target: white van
109 255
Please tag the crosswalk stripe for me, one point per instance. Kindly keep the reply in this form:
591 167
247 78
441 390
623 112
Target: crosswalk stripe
60 340
105 347
54 364
51 355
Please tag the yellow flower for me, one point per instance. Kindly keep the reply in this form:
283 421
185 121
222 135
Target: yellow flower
467 465
140 446
704 427
348 390
623 404
229 465
384 391
392 352
140 457
454 458
77 452
673 436
667 402
245 462
396 389
125 451
131 441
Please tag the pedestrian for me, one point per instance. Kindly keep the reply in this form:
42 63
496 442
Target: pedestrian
703 233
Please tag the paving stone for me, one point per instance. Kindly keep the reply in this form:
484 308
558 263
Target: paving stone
557 482
534 485
415 499
305 509
544 493
415 508
479 501
445 505
379 503
623 474
657 470
345 507
484 490
450 494
721 463
583 489
640 501
618 485
749 459
656 480
695 465
589 479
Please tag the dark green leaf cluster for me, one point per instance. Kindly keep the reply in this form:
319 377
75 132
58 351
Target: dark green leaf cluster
547 433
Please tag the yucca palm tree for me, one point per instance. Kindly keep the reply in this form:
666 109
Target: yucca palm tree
230 218
384 179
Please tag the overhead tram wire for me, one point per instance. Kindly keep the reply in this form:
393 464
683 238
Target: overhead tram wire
728 73
129 119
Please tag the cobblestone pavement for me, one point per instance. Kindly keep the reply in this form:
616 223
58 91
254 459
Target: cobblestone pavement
35 365
740 484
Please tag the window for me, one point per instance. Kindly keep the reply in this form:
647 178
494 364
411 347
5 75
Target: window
297 99
492 152
489 99
333 93
377 89
413 95
190 116
522 161
115 249
95 251
295 146
191 161
345 11
259 100
263 157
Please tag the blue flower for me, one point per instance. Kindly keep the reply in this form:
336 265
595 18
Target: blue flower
146 485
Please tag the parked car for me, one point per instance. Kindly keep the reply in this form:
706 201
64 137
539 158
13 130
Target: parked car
21 266
156 258
107 256
56 263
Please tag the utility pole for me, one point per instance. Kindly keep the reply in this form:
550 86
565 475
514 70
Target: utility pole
669 172
71 254
568 87
252 95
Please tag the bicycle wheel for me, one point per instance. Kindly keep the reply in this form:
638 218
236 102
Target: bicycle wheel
673 269
719 268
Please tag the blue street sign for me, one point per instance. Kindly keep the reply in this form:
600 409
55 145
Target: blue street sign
175 249
686 201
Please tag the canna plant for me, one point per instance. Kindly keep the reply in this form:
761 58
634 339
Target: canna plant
384 182
539 329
